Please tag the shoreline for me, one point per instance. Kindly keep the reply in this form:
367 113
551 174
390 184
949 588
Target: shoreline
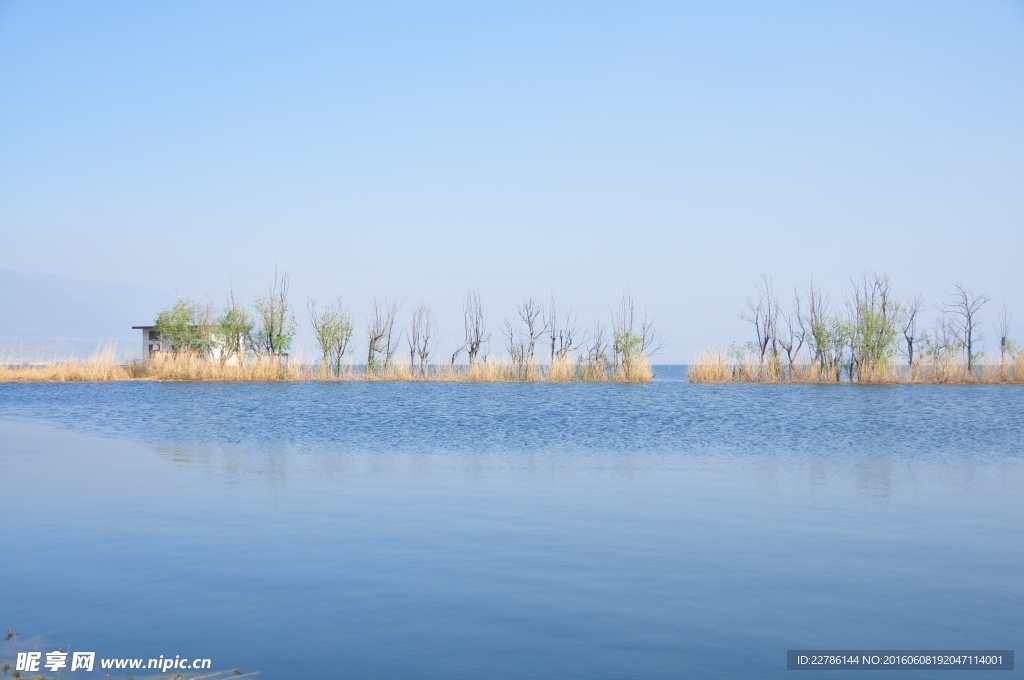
504 372
193 369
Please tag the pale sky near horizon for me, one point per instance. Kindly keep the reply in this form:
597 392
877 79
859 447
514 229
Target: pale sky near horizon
415 151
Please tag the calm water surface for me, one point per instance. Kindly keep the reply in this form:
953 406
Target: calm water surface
383 530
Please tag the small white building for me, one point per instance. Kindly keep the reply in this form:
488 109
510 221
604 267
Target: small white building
153 348
150 341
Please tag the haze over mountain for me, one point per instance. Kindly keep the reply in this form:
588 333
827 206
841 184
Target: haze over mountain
42 315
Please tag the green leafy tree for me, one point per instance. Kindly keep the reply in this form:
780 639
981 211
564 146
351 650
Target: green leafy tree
234 331
333 330
184 328
828 336
276 323
873 327
633 341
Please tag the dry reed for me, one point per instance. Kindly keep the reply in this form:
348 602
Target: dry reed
710 366
563 369
105 367
716 366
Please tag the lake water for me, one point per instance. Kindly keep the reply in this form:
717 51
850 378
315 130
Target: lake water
361 530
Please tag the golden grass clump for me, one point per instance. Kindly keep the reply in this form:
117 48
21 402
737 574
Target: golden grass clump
634 371
713 365
879 375
593 371
101 366
563 369
189 367
710 366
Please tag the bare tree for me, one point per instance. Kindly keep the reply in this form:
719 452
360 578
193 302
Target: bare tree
596 363
965 308
379 335
909 327
516 345
475 327
792 340
422 340
531 313
597 351
1003 331
763 314
522 343
564 337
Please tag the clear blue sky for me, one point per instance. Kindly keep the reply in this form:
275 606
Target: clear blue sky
418 150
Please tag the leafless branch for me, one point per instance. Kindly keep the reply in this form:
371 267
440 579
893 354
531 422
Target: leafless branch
422 340
475 324
964 310
380 334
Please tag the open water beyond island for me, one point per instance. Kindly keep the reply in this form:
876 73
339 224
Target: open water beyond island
373 530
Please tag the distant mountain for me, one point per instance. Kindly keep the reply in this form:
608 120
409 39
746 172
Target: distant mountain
44 315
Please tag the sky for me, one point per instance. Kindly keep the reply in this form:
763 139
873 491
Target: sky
416 151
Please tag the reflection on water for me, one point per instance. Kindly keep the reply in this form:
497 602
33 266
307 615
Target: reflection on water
274 465
465 531
874 479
